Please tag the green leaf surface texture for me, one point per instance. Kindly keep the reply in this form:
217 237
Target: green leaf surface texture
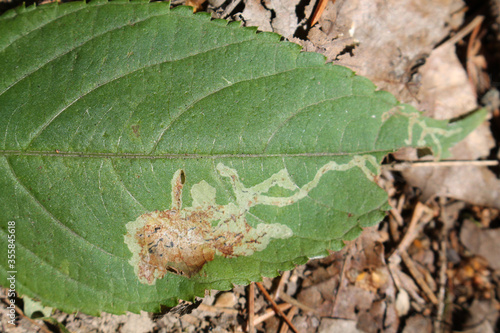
113 110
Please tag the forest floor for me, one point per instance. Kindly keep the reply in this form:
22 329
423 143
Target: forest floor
433 264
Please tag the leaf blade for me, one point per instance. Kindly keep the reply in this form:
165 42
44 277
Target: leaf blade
126 105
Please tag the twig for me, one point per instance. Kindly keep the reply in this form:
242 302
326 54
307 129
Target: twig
393 228
396 220
211 308
442 286
401 202
465 31
320 8
402 281
293 311
472 66
443 262
413 229
400 252
251 308
229 8
342 274
418 277
289 299
275 307
282 279
270 313
407 165
396 213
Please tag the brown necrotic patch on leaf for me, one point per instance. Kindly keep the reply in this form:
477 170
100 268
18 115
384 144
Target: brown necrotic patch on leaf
173 241
136 130
182 240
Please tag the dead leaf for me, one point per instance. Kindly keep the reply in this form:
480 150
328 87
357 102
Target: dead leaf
285 22
475 185
418 324
445 91
483 242
482 318
138 323
331 325
388 43
255 14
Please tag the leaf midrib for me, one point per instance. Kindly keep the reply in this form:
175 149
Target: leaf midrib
7 153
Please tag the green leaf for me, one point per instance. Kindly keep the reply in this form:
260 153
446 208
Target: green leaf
148 154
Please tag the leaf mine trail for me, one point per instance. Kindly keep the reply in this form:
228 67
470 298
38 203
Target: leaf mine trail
181 240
